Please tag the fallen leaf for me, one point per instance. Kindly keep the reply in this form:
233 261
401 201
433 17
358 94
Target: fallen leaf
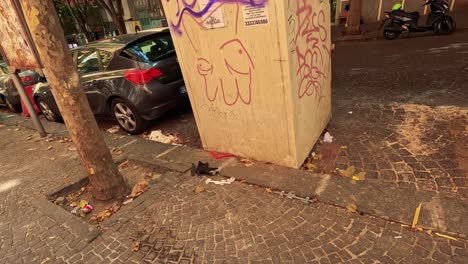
53 158
318 157
446 236
135 246
49 148
114 208
349 172
91 171
16 129
247 162
311 166
103 215
429 232
360 176
199 189
416 216
351 207
344 147
268 190
139 188
45 260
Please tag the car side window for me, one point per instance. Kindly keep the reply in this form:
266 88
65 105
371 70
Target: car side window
88 62
150 49
105 58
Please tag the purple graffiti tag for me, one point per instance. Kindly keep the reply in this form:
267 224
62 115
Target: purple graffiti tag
188 8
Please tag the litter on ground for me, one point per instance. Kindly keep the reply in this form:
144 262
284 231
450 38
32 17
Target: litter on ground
158 136
222 182
328 138
113 129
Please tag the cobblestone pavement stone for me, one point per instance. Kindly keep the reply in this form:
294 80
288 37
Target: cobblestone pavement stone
402 111
236 223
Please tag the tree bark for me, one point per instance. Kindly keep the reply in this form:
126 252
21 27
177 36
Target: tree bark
47 33
354 18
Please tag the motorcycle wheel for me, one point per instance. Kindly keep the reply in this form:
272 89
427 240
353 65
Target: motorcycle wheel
445 26
391 34
453 24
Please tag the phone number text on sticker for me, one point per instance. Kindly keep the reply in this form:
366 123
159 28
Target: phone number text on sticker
256 22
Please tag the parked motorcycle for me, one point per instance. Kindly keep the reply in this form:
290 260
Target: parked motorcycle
398 20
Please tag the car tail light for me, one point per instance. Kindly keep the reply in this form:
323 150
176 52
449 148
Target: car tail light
141 77
25 79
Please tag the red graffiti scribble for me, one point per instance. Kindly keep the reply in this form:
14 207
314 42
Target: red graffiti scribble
234 80
312 31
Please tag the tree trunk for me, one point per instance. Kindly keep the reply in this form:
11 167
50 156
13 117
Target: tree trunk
117 17
43 22
120 25
354 18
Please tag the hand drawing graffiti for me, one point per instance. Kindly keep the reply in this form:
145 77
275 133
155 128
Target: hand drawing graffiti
234 79
310 60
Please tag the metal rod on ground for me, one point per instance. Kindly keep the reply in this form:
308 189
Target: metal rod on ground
25 98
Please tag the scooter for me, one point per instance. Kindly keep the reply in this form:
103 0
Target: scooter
398 21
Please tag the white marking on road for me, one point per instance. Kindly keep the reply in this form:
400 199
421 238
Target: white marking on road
126 144
166 152
323 184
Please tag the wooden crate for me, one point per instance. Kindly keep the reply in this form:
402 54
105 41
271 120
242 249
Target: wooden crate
258 73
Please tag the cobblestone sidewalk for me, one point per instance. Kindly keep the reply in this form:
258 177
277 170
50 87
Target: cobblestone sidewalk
226 224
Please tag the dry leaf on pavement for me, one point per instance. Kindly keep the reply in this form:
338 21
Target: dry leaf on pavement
310 166
139 188
199 189
108 212
247 162
416 216
135 246
268 190
360 176
348 172
45 260
351 207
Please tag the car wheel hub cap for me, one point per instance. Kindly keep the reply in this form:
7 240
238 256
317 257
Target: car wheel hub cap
46 110
124 116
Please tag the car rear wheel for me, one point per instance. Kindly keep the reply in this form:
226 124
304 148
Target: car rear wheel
14 108
127 117
47 111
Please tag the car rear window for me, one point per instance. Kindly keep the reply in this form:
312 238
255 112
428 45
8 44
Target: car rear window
149 49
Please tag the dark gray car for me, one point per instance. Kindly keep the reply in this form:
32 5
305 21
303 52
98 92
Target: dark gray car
8 94
133 78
